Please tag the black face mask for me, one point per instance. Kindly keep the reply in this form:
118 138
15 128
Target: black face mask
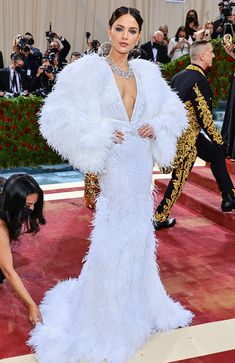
18 68
54 50
191 19
165 35
26 212
30 41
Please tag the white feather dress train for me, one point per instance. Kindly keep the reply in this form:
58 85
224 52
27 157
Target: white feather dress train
118 301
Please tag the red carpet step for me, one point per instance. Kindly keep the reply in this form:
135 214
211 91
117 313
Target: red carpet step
201 195
203 177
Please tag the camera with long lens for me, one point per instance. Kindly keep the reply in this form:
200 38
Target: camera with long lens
226 8
94 44
23 44
50 68
51 57
50 35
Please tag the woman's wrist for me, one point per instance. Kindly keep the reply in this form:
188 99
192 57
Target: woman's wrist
30 303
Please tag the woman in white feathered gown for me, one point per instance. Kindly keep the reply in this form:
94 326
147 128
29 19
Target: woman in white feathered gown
116 121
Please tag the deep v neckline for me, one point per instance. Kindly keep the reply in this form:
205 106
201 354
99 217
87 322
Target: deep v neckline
120 96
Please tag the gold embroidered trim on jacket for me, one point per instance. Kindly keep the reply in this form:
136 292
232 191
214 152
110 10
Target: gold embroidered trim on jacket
193 67
189 137
185 157
181 175
206 116
91 190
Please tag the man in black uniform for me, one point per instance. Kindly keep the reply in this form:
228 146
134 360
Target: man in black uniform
194 90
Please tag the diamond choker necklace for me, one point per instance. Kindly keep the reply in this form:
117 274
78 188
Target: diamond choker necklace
125 74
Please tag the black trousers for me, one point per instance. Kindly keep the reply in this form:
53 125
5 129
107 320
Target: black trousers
207 151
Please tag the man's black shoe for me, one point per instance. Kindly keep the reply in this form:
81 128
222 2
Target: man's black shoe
228 203
170 222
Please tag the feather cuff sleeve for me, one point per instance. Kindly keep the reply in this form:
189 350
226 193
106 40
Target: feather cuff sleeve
164 111
70 119
169 125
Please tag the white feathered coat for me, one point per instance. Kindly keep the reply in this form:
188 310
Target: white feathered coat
71 118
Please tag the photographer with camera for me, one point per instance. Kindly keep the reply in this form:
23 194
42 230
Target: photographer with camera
34 51
205 33
226 22
93 46
32 56
54 48
45 78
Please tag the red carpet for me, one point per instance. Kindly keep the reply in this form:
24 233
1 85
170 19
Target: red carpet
196 259
225 357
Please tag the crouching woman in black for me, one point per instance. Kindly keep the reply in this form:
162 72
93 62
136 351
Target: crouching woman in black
21 211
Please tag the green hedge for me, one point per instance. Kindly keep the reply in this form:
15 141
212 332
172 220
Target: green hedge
219 76
20 141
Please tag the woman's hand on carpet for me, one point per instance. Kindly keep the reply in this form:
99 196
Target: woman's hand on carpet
35 315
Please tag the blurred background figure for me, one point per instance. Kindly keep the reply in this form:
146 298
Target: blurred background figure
75 56
104 49
92 45
164 29
1 60
205 33
228 129
191 23
179 45
226 22
155 49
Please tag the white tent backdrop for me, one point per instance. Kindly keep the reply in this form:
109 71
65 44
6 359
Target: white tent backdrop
72 18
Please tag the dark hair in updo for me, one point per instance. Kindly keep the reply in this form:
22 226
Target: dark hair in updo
123 10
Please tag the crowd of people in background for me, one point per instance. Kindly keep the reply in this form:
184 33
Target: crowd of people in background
32 71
